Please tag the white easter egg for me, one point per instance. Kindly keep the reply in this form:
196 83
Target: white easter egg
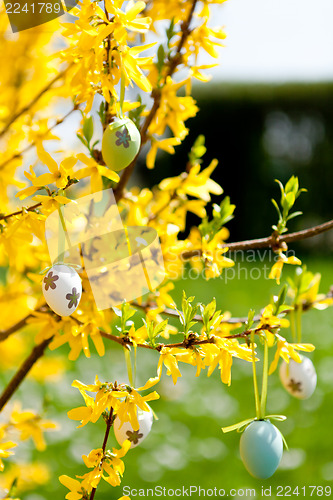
62 289
299 379
125 431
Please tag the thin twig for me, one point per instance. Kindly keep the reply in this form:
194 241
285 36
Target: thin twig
4 334
156 94
22 372
105 441
33 207
187 343
176 59
270 241
30 146
192 341
31 103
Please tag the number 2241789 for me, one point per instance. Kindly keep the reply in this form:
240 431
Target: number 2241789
304 491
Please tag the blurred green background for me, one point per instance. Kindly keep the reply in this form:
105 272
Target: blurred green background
261 132
258 133
186 445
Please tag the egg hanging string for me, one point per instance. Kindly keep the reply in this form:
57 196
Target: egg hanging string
128 360
264 388
299 311
293 324
255 381
62 234
122 92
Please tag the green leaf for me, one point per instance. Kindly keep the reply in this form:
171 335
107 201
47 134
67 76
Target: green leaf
250 318
209 315
277 208
101 113
294 214
160 58
125 312
222 214
289 194
292 185
281 189
88 128
210 309
135 114
197 151
160 328
300 191
170 32
82 139
290 200
284 308
280 299
188 313
13 488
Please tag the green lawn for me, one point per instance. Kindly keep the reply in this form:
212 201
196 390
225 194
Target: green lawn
186 446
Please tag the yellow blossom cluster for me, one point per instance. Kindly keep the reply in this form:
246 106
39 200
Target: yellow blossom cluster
23 425
25 476
98 60
99 50
111 400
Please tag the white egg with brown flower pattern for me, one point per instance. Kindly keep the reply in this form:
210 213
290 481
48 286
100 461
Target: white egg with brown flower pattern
62 289
125 431
299 379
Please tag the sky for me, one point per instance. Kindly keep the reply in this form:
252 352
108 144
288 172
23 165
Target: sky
276 40
271 41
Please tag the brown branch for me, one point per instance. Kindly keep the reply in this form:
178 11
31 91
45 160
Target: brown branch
126 341
270 241
156 95
193 340
306 306
108 48
22 372
176 59
20 212
189 342
31 103
33 207
30 146
105 441
4 334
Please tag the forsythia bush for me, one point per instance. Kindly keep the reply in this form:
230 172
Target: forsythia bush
109 61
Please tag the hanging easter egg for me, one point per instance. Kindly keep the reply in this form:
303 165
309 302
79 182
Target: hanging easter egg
125 431
62 289
120 144
261 448
299 379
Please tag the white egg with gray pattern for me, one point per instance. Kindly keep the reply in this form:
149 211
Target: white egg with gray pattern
125 431
299 379
62 289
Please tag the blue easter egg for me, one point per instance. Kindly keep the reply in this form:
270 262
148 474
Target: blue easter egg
261 448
